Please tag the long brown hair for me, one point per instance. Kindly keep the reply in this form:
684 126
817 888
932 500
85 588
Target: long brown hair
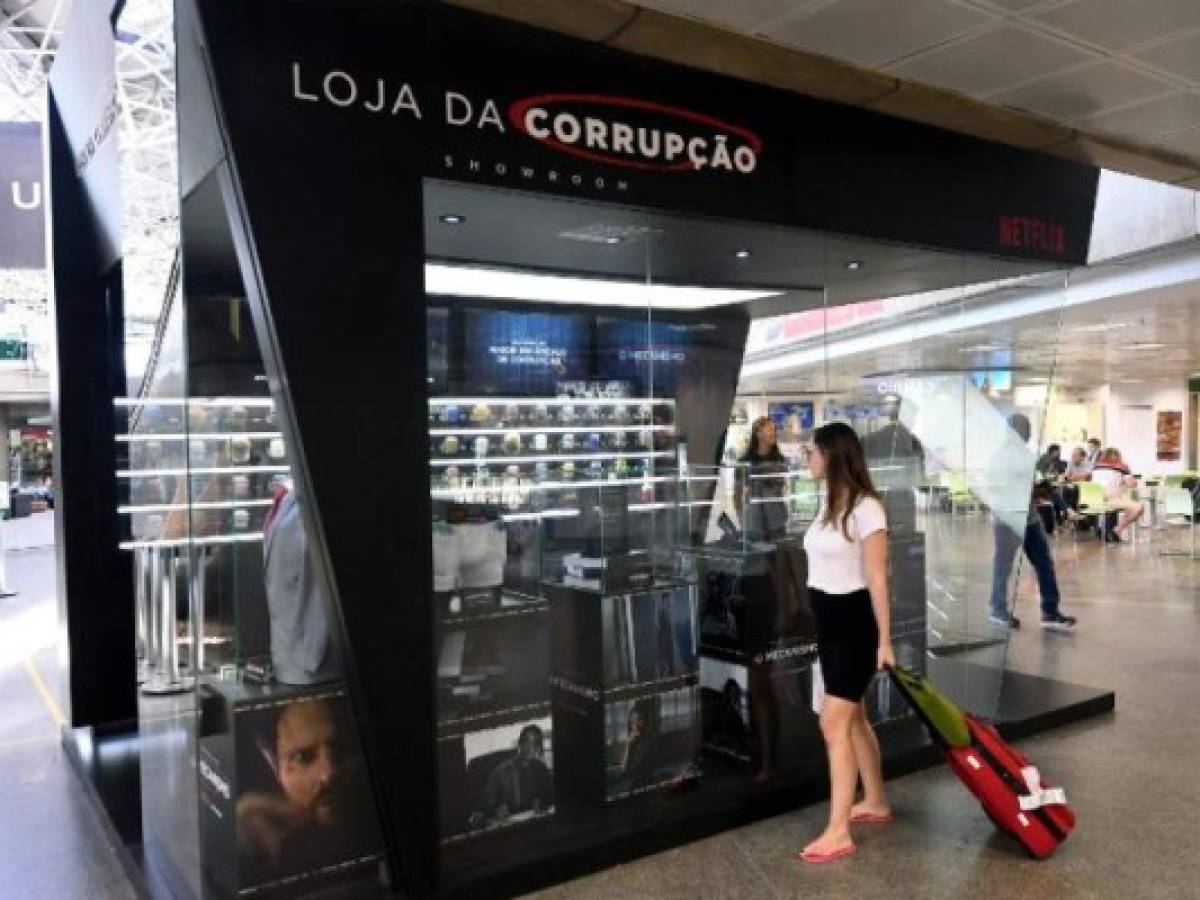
847 478
752 455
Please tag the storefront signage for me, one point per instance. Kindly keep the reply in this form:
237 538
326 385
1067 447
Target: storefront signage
615 131
628 132
22 218
1017 233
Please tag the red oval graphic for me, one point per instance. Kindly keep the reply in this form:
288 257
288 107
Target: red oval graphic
519 108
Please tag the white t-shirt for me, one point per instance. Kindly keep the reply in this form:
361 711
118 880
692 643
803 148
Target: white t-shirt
835 565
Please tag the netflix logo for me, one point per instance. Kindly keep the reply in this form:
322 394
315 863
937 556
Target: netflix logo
1017 233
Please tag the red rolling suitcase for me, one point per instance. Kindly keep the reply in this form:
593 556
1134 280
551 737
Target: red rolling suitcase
1011 790
1007 785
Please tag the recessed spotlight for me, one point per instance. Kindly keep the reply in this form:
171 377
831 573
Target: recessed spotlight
742 254
854 265
612 239
454 219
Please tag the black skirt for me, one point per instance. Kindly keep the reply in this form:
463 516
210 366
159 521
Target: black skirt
847 642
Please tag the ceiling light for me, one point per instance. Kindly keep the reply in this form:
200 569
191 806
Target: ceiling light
1101 326
1143 345
742 254
454 219
510 284
982 348
612 240
854 264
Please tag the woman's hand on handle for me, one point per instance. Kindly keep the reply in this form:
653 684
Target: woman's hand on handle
886 657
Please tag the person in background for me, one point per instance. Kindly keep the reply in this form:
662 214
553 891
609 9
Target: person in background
1048 464
1093 451
1037 549
1113 474
1078 469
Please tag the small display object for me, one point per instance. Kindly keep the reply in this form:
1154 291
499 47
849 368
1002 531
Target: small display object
496 778
759 714
285 805
470 546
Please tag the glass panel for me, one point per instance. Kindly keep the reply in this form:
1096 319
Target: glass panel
252 772
619 574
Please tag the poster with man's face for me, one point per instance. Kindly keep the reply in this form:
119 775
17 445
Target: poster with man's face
304 808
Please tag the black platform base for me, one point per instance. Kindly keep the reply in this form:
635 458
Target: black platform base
1020 704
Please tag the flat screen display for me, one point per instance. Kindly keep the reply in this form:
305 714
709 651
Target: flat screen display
645 353
524 354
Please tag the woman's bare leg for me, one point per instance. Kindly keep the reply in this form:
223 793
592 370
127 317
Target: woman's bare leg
869 761
836 718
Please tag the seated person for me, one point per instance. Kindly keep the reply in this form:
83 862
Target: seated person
523 782
1079 468
1048 463
1113 474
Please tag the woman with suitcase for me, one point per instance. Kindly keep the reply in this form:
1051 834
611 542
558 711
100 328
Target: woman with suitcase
847 581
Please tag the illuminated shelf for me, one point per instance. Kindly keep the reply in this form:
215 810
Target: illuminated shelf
548 429
210 436
183 507
207 541
554 401
134 402
216 470
472 494
517 460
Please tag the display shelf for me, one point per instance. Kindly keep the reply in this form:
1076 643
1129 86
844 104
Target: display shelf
150 436
600 593
525 819
551 401
550 429
480 462
519 609
509 715
207 470
472 494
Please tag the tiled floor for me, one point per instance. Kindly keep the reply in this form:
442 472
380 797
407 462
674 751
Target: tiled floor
52 846
1129 775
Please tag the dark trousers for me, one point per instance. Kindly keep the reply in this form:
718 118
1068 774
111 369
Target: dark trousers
1037 549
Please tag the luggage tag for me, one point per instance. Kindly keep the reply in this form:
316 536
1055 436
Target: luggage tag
1039 796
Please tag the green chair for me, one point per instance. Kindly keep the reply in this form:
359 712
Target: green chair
960 492
1093 504
1178 509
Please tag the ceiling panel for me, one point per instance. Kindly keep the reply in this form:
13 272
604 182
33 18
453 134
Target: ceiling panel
1180 56
876 32
1150 119
1083 92
1121 24
993 61
744 15
1187 142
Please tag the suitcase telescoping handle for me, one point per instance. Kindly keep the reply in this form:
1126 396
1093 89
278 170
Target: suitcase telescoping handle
945 722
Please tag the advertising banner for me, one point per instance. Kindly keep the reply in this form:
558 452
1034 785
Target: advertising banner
22 207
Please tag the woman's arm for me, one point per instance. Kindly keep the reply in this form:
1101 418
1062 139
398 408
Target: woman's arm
875 560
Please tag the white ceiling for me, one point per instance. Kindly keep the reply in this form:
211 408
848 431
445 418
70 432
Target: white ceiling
1137 336
1124 68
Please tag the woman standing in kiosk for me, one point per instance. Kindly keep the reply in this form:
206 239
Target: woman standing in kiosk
847 583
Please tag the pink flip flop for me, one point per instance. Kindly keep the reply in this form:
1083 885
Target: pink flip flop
819 858
872 819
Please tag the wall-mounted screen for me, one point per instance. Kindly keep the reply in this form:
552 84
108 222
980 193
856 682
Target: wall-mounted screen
524 354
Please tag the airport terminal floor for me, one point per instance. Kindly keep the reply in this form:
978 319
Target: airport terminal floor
1139 629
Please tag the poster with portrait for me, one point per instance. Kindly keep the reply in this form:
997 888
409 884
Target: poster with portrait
285 797
1170 435
651 741
793 419
496 777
